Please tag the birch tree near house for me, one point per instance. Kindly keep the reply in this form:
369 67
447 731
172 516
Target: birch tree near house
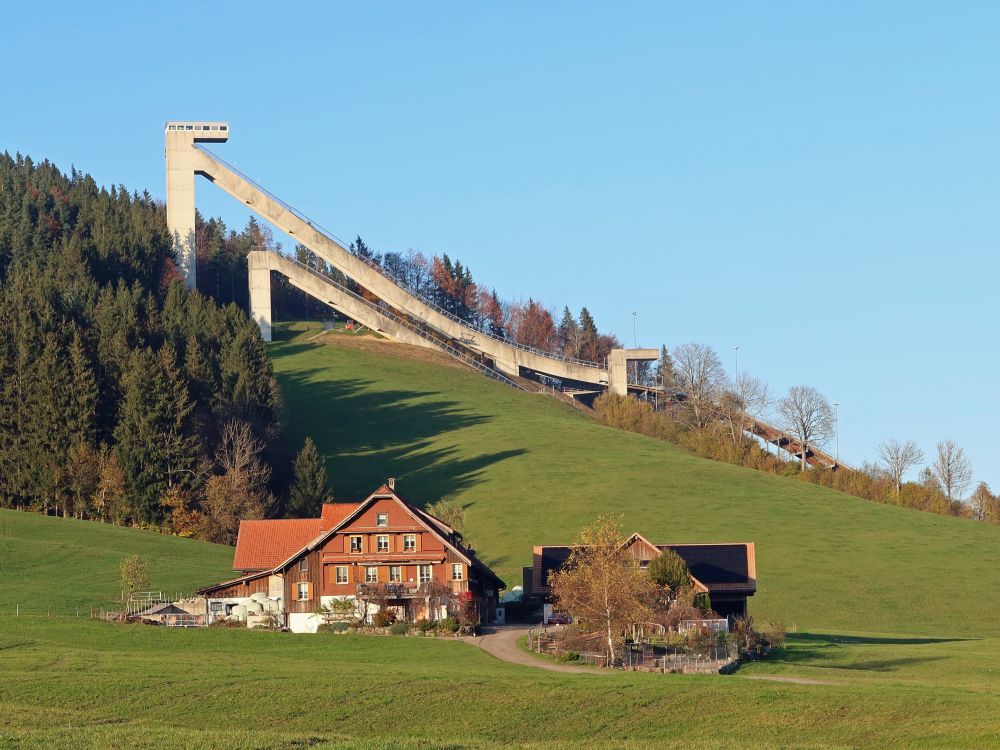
898 458
601 586
808 416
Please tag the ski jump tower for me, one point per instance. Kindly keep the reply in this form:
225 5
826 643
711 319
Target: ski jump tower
400 315
181 169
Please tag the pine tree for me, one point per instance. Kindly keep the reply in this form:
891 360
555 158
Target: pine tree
83 415
309 487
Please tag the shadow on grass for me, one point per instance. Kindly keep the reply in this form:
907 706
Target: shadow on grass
838 652
858 640
367 435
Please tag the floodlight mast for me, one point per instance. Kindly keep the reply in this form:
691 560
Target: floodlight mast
181 138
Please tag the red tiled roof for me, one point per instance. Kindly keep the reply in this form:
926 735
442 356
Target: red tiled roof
334 513
263 544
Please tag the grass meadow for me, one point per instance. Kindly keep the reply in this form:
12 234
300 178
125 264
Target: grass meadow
531 470
86 684
894 641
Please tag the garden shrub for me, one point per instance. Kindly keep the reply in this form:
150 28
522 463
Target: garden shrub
449 624
384 618
399 628
333 627
425 625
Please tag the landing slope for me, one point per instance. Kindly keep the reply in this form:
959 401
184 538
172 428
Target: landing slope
531 470
52 565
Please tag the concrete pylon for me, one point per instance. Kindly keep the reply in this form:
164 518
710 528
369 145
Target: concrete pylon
618 361
180 155
260 292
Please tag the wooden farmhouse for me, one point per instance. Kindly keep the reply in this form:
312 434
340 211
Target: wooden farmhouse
380 552
726 572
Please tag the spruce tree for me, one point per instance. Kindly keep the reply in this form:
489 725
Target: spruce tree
309 487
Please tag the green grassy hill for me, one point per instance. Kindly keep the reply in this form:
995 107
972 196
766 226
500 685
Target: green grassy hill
532 470
57 564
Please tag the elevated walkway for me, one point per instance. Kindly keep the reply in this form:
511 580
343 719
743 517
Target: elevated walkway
507 357
377 317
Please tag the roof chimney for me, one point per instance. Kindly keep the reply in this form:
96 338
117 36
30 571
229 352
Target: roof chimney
391 482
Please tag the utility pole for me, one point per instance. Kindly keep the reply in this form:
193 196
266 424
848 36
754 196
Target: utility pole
635 337
736 380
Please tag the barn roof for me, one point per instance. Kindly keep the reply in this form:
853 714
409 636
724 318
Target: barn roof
263 544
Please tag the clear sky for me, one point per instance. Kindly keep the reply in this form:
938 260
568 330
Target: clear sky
817 183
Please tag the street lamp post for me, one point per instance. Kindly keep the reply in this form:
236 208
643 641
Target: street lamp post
836 428
635 337
736 380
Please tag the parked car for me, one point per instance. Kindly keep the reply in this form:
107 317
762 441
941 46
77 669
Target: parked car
559 618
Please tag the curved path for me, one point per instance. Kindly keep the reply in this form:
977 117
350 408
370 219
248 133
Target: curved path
501 641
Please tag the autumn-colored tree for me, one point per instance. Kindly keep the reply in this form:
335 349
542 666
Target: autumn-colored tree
533 325
601 586
134 575
449 511
670 570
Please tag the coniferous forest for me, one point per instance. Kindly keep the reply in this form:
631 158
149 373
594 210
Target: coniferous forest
123 397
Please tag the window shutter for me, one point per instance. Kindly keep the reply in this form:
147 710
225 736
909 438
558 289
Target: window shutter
416 547
347 543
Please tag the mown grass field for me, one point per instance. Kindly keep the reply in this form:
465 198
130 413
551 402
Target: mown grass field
896 645
531 470
89 684
54 565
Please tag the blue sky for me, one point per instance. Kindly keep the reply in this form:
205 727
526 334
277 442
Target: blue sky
817 183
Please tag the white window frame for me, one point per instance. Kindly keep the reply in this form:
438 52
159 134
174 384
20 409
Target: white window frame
409 542
395 574
347 575
420 573
371 574
361 545
456 572
381 519
298 591
378 543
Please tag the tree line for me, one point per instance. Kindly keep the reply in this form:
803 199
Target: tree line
125 397
711 413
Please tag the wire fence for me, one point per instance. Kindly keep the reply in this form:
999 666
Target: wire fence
714 658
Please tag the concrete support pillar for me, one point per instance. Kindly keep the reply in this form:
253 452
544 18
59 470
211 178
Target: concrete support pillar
180 203
618 360
260 291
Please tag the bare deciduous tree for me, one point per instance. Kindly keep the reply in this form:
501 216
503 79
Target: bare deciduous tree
743 401
807 415
240 492
952 469
898 458
700 373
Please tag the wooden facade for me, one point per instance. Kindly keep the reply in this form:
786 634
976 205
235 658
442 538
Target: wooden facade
384 542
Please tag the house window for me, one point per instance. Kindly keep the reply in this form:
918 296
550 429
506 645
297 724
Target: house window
456 571
409 542
355 544
371 574
395 574
304 564
341 574
424 573
303 591
383 544
382 519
